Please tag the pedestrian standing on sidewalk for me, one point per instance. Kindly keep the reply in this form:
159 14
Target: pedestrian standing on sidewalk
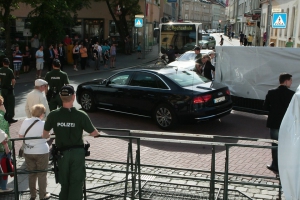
113 53
83 56
39 61
96 58
5 145
139 50
61 55
106 58
249 39
264 38
241 38
75 56
55 49
49 56
222 40
26 59
36 152
37 96
245 41
289 43
8 82
69 142
276 102
17 61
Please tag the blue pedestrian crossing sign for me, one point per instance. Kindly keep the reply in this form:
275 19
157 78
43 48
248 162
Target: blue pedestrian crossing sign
279 20
138 22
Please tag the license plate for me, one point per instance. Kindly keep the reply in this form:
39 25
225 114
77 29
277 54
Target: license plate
220 99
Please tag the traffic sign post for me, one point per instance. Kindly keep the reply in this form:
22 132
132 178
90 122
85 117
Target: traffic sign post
138 22
279 20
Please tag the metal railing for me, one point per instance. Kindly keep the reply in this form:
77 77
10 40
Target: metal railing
133 166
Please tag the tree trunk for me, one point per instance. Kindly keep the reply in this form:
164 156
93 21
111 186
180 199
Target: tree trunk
7 25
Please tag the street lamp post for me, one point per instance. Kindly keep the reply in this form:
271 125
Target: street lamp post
269 22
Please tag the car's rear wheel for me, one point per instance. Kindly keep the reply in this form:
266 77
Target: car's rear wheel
87 102
165 117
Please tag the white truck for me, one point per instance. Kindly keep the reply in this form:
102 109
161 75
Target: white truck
250 72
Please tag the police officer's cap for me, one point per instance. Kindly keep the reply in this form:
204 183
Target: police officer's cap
6 61
67 90
56 63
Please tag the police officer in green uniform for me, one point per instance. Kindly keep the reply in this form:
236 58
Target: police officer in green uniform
56 80
8 82
68 124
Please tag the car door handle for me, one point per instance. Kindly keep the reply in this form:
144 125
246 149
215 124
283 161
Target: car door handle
151 95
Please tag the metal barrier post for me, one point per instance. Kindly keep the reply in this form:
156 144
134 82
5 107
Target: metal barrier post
16 189
138 160
225 193
84 190
212 175
133 174
127 169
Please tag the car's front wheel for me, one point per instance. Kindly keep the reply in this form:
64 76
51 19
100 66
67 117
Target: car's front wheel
165 117
87 102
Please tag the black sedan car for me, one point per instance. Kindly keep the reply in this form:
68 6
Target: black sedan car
168 95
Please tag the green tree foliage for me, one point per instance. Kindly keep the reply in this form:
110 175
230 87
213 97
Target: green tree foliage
50 18
123 11
6 7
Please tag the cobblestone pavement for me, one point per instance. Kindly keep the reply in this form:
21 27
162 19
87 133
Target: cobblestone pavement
115 150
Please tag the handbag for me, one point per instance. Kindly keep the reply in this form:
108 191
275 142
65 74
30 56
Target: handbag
21 151
7 166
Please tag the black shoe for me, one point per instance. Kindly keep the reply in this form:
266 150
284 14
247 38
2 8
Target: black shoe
272 168
11 121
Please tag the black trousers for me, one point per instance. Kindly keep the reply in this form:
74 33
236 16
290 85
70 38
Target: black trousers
62 61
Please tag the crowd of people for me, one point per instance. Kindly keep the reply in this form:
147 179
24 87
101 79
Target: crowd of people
84 54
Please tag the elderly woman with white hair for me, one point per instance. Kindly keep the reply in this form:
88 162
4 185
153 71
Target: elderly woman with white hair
36 152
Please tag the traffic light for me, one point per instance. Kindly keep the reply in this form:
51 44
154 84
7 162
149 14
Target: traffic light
219 25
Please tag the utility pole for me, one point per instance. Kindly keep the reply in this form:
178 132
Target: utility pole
144 30
269 22
179 10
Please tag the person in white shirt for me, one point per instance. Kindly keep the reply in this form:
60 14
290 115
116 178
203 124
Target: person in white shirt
37 96
36 152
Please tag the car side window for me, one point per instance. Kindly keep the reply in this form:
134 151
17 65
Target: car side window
143 79
120 79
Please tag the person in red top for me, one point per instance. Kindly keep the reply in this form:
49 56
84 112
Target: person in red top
67 40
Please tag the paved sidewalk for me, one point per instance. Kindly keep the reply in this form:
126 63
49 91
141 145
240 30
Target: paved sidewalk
122 61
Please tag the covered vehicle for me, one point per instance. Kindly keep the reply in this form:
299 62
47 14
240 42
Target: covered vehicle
168 95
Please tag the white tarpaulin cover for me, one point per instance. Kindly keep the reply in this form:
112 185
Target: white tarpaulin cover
289 149
250 72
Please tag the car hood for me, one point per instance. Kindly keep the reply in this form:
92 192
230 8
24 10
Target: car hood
95 81
203 41
188 64
206 87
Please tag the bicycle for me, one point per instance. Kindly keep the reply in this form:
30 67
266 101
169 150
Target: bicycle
162 61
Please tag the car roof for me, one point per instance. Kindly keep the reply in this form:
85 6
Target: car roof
155 69
202 51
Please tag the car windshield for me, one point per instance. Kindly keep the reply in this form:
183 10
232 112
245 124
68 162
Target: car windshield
187 78
187 56
206 37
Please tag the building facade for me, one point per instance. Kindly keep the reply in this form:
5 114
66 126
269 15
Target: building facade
96 22
292 30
